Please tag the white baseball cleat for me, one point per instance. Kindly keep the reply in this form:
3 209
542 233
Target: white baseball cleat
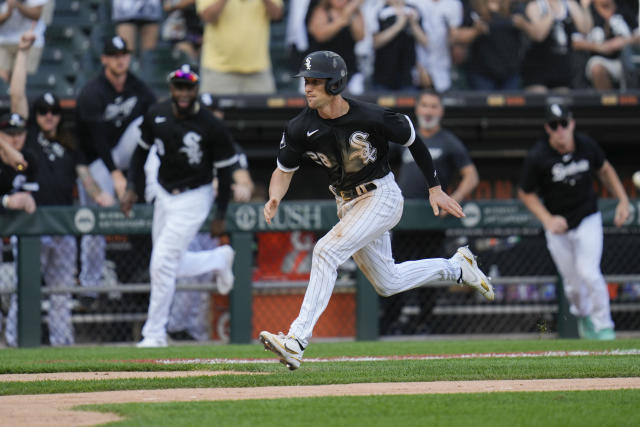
152 343
471 275
225 278
287 348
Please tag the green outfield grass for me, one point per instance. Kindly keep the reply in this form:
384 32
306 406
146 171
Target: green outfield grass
89 359
582 408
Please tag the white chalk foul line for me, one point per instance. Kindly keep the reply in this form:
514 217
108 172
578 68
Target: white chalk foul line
576 353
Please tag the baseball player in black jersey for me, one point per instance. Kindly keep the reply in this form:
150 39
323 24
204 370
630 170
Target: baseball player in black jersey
190 142
350 139
109 111
557 187
58 167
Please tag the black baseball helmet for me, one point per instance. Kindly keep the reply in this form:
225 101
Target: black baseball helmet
324 64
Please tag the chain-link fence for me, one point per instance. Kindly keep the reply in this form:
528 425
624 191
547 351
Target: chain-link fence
96 288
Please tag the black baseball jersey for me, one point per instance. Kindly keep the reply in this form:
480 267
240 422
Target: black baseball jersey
102 114
564 181
353 148
12 181
188 148
56 172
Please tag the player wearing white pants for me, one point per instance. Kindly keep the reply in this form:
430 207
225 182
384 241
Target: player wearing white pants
190 144
363 232
350 140
577 255
557 187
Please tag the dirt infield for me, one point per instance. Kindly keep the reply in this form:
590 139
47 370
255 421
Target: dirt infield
54 409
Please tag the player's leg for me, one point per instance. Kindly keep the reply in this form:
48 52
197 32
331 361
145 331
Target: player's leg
376 262
588 249
562 250
361 221
58 263
183 216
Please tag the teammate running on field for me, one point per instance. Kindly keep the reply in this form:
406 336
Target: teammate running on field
190 142
350 139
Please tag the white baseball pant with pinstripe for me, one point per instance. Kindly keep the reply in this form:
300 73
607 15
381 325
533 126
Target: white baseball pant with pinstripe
577 254
363 232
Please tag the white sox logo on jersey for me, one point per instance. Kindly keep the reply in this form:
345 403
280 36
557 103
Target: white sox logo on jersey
120 109
192 149
560 172
362 148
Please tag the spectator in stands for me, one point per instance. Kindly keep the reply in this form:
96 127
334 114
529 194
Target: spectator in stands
557 187
337 25
109 111
237 61
57 166
454 165
398 28
183 27
439 17
16 18
611 32
492 30
138 19
296 36
15 193
547 62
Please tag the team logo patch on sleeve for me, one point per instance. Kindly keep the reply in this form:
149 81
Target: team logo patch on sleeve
283 142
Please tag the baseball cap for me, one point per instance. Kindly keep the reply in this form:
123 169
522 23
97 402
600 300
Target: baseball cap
114 46
12 123
556 112
185 74
47 102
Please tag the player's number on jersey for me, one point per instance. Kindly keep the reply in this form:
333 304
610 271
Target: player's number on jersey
319 158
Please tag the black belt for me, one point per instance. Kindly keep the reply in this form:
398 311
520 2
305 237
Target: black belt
354 192
181 189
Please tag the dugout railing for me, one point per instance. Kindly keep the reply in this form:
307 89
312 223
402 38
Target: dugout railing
488 225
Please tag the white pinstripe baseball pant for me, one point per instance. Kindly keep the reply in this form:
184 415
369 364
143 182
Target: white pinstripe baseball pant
577 255
363 232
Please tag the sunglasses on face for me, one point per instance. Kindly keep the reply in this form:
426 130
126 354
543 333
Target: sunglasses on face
44 110
562 123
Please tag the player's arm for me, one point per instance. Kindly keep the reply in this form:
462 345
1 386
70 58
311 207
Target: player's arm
554 223
102 198
610 179
136 166
10 156
398 127
278 187
469 180
527 194
288 161
20 201
17 88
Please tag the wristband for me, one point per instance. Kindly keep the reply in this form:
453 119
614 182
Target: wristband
5 201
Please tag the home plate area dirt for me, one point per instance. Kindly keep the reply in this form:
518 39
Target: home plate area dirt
55 409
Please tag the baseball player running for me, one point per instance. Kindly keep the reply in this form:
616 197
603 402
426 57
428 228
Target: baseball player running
557 187
350 139
189 141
